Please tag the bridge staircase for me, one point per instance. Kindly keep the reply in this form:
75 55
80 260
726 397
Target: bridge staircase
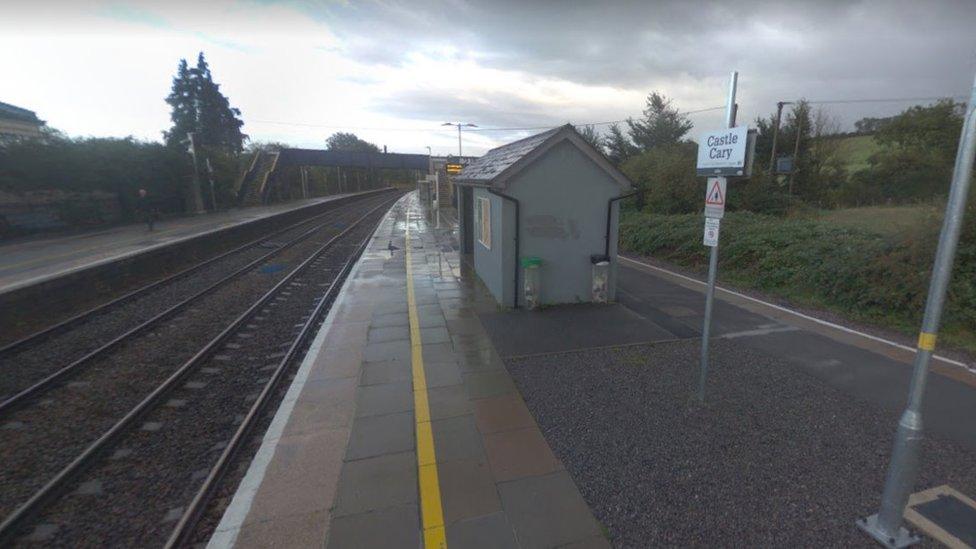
253 189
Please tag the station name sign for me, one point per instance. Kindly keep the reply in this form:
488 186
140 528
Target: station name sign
724 152
453 168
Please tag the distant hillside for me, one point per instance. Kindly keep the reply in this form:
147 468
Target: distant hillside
855 150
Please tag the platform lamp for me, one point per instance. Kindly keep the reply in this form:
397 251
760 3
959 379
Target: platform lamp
459 126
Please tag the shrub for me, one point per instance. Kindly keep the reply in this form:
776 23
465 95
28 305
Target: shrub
855 271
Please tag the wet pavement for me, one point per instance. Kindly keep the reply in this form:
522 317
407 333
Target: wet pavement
340 464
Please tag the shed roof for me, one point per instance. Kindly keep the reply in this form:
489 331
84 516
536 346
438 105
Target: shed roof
498 165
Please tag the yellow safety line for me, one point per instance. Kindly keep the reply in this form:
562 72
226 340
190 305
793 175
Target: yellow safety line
432 515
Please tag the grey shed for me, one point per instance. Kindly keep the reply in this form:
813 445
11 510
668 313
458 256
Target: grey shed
562 196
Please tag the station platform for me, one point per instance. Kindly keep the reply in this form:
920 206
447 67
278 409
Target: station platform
31 260
403 428
427 415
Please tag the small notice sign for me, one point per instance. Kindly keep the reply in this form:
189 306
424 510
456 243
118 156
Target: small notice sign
711 232
715 197
453 168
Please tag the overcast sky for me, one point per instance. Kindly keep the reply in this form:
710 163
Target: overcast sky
393 71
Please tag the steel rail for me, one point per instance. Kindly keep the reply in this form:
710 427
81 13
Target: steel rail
194 511
63 325
11 523
39 387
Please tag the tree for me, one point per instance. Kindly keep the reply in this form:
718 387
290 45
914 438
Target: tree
918 151
667 175
198 106
591 136
662 124
183 109
869 125
219 125
934 128
618 147
341 141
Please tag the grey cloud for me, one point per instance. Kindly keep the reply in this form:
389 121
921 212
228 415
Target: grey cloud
783 50
490 109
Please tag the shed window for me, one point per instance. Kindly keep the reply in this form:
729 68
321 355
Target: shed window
483 213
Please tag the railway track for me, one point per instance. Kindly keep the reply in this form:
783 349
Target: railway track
183 434
31 363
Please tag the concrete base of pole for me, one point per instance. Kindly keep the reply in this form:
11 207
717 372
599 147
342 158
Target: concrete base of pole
903 538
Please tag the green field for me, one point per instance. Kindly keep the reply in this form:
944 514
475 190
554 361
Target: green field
855 151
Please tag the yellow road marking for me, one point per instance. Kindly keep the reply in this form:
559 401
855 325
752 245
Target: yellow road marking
926 341
431 512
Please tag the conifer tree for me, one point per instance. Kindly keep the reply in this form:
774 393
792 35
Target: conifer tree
199 107
183 113
618 147
662 124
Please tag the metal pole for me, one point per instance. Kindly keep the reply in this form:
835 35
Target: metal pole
772 155
713 258
459 141
196 193
796 164
885 526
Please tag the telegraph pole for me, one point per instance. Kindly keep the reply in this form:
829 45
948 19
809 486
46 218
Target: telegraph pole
730 111
779 116
796 158
885 527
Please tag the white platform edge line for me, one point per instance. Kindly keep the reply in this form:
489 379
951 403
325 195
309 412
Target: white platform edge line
801 315
231 522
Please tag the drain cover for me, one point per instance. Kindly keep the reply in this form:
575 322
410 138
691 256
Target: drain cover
944 514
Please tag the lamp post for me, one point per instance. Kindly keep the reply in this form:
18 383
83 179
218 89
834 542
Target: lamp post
885 526
459 126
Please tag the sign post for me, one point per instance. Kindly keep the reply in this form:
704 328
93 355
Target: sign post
719 153
885 527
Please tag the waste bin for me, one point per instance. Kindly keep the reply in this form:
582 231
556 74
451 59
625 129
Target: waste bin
601 278
530 280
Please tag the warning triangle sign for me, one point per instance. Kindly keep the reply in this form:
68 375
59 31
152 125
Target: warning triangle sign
715 195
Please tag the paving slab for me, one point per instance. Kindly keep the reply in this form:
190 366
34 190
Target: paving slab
392 528
377 483
485 532
381 435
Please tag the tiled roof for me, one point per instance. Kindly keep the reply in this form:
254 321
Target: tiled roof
497 160
11 112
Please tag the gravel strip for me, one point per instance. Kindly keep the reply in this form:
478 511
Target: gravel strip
55 428
775 458
164 466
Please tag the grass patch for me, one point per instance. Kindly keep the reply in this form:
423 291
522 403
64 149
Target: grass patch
851 264
884 220
855 151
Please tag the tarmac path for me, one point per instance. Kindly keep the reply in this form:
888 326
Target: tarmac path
861 365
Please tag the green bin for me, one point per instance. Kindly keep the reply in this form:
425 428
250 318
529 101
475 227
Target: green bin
530 280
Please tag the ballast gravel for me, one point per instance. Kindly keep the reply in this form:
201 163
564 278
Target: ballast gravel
775 458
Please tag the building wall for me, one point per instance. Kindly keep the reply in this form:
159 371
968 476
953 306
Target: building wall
494 266
19 128
563 197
